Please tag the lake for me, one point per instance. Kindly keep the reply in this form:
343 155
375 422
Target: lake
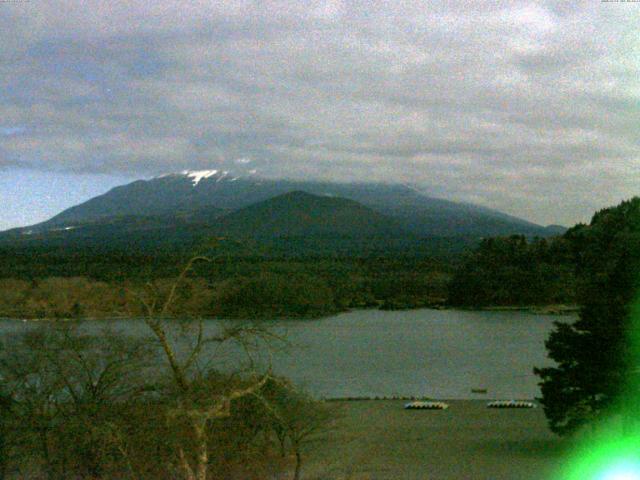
441 354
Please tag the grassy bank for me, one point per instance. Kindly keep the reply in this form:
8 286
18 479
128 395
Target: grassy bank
381 440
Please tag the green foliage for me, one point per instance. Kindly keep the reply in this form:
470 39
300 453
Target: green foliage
512 271
273 295
593 354
6 424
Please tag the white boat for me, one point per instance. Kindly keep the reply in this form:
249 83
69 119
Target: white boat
510 404
419 405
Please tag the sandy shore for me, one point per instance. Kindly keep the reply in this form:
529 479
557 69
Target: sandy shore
381 440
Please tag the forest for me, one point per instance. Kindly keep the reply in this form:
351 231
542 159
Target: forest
226 287
504 271
513 271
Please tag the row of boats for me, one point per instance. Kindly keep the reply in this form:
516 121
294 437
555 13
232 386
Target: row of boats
424 405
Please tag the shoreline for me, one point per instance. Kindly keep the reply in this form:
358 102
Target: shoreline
553 309
402 398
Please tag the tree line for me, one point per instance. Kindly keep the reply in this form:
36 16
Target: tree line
516 271
237 288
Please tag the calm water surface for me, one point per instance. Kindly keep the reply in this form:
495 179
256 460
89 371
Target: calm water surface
437 353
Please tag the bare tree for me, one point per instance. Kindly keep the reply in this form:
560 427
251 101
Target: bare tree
63 387
97 406
199 403
296 419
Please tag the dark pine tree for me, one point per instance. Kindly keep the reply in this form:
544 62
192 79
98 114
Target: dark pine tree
594 356
6 404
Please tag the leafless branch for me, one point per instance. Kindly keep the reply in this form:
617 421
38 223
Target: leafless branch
176 284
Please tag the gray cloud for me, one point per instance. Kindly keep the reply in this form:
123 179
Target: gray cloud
528 107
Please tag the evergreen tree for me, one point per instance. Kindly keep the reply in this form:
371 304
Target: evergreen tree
594 354
5 427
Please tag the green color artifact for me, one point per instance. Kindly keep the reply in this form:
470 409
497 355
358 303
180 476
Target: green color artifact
612 450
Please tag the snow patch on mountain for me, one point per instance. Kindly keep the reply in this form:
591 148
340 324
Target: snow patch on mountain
222 176
197 175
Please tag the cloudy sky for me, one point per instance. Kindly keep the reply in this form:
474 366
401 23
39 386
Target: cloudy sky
528 107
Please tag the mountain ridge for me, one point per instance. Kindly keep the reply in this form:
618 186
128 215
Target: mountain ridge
180 211
190 190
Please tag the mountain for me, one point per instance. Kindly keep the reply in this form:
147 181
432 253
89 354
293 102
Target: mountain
180 212
294 224
301 214
190 192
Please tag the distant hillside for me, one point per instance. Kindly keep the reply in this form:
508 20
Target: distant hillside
306 223
300 214
553 230
185 194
